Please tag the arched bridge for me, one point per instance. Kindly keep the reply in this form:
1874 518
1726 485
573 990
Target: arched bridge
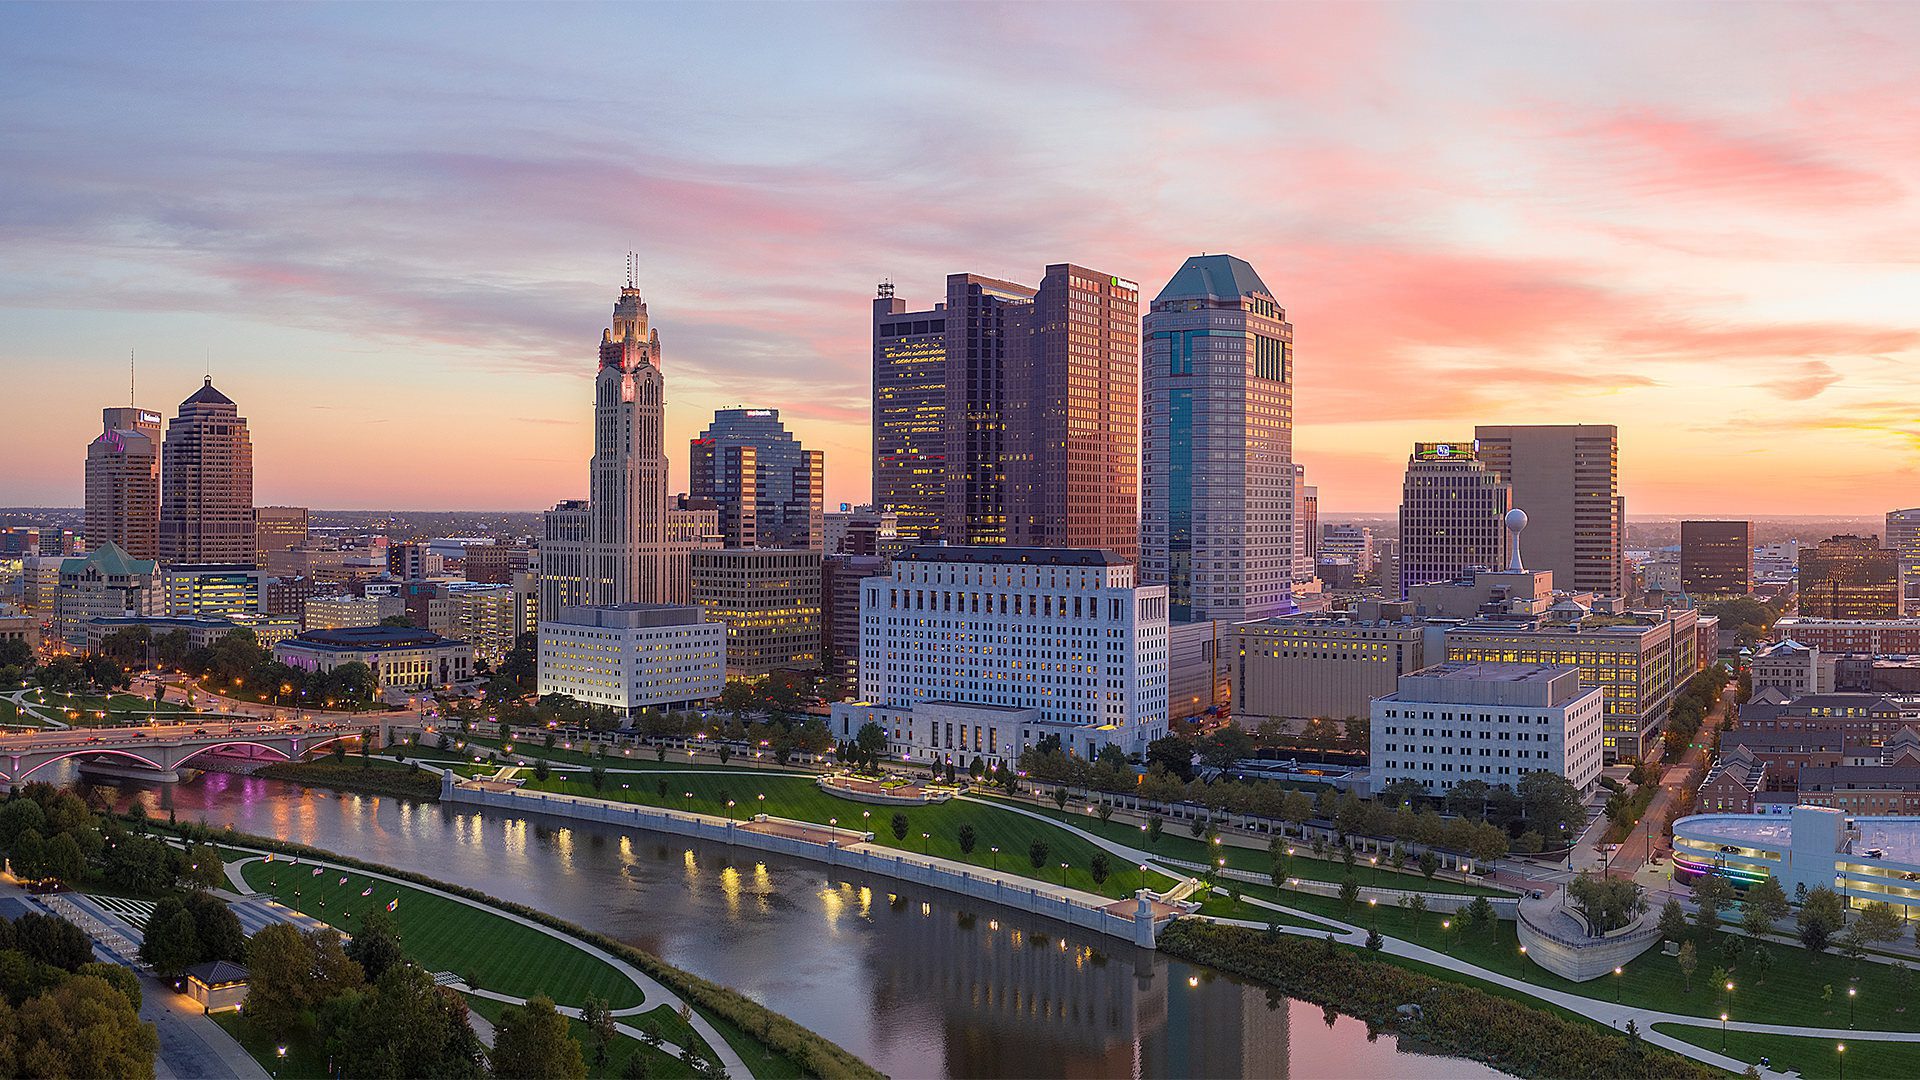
164 748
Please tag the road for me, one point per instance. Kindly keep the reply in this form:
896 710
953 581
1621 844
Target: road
1648 839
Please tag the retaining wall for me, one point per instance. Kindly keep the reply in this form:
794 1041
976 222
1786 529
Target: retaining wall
905 867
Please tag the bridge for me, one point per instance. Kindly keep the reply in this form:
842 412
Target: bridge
164 748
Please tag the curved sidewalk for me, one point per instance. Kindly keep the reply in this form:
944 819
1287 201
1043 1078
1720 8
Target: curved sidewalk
653 993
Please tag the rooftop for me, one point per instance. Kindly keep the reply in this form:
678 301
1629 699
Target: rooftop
1480 671
369 637
1013 556
207 395
1214 277
110 559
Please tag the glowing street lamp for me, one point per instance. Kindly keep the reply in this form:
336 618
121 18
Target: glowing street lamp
1852 1000
1617 972
1841 1050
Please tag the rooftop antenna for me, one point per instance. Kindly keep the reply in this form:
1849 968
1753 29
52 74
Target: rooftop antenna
633 270
886 289
129 378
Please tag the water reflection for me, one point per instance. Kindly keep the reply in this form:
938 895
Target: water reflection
920 984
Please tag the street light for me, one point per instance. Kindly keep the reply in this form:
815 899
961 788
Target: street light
1852 1000
280 1055
996 859
926 845
1446 940
1730 995
1617 973
1723 1033
1841 1049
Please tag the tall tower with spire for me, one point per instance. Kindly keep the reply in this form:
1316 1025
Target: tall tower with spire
627 535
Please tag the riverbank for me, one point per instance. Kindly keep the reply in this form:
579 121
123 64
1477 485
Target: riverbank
369 776
794 1050
1511 1036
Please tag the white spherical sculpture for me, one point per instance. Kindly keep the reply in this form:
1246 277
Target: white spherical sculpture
1515 521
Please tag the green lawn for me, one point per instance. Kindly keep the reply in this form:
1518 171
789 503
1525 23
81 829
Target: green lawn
442 934
796 797
1813 1059
627 757
304 1061
621 1049
1177 842
1791 991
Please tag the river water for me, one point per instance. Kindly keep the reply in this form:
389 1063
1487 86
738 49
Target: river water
918 983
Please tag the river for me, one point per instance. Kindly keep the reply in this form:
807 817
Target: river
919 984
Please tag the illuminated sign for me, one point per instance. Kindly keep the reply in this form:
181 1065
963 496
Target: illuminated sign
1125 284
758 412
1443 451
149 417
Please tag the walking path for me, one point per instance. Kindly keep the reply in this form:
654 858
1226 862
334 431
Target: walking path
653 994
1614 1015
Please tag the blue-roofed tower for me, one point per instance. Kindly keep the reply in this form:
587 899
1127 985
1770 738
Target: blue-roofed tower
1217 481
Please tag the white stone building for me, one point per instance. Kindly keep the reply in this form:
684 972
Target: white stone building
983 651
633 656
1493 722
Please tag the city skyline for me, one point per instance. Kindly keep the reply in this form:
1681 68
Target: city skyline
1696 236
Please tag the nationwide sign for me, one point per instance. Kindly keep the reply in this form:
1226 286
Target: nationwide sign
1428 451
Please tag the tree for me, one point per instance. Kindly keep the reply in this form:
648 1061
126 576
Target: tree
1374 940
1821 916
120 978
1037 853
899 824
1480 913
1673 921
82 1027
1902 984
170 944
597 1015
1711 893
1429 864
871 741
1349 893
289 973
1154 829
532 1041
966 838
199 867
1551 805
1766 905
1172 754
217 928
1098 868
1105 813
1758 960
1689 962
1877 922
1417 907
376 946
52 940
1278 871
403 1026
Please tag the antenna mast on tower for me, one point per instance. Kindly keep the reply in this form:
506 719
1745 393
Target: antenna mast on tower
129 378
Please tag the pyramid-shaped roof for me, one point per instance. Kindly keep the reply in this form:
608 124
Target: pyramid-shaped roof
110 559
1214 277
207 395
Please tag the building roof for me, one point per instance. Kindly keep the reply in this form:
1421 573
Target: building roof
110 559
207 395
346 638
997 555
218 972
1214 277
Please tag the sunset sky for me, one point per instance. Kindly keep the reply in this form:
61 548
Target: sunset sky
395 232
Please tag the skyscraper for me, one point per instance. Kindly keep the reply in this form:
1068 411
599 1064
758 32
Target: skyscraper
1849 577
1903 536
909 407
1451 507
1073 414
206 483
769 488
1217 478
1567 478
277 528
1716 557
983 315
627 544
123 482
1306 527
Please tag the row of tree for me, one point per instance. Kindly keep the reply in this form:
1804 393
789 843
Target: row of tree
1691 706
64 1014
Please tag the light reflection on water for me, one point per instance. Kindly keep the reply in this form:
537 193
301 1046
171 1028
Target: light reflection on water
918 983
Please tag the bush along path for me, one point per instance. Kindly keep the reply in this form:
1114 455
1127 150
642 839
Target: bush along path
651 983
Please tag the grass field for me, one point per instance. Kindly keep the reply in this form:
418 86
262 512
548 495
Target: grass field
620 1050
1813 1059
1790 992
442 934
376 776
1176 842
796 797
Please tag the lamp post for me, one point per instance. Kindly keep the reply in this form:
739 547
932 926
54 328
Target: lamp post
280 1058
996 859
1723 1033
1841 1050
1446 939
1375 860
1617 973
1143 875
1853 994
926 845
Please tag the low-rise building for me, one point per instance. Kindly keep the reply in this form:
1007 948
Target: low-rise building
1792 668
223 590
102 584
402 658
338 612
840 578
633 656
983 651
1862 858
1886 637
1863 719
1860 674
1298 667
1492 722
487 617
